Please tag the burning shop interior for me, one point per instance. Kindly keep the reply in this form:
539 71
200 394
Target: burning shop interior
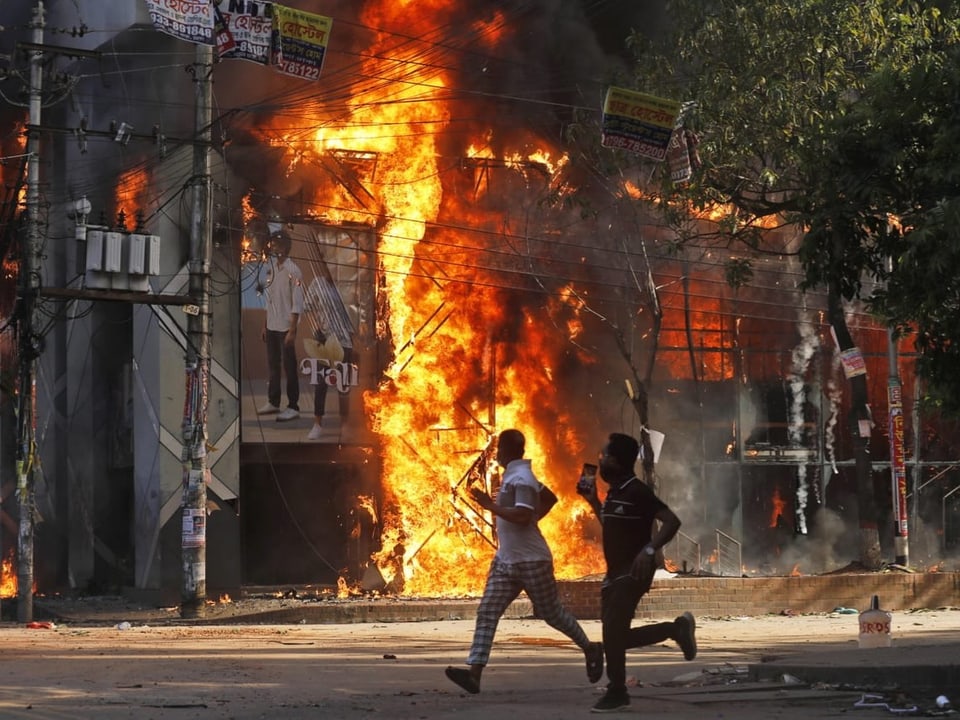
464 271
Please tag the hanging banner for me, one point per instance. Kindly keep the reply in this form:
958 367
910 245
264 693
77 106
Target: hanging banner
638 123
190 20
247 31
853 362
898 459
222 36
682 155
299 41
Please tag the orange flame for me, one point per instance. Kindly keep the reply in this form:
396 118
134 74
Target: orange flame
467 362
8 576
132 191
779 505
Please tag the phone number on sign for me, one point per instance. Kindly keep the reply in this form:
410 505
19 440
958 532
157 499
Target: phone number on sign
641 148
307 72
182 29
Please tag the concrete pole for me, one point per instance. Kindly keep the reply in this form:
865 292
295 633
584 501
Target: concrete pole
197 371
28 340
898 466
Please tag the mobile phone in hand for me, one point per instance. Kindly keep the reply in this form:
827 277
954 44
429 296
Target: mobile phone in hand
588 479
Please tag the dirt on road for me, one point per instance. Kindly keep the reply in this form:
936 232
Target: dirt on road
154 666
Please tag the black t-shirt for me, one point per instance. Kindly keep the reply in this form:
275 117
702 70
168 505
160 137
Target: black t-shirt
628 514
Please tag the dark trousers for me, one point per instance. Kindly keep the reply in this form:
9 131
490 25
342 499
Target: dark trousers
618 603
320 393
280 355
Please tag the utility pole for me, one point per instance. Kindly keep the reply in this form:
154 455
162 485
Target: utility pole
898 462
28 345
197 371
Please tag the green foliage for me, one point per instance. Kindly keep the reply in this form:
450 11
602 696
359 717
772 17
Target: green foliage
738 272
844 119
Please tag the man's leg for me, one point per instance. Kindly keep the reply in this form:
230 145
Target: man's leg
541 586
682 630
344 398
274 353
618 602
500 590
292 372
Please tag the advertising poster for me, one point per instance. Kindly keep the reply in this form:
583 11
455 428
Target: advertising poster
898 459
335 343
194 528
853 363
244 31
638 123
190 20
300 41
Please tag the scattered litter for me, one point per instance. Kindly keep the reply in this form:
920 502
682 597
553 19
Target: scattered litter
943 702
42 625
727 669
845 611
872 700
124 625
389 656
688 677
788 679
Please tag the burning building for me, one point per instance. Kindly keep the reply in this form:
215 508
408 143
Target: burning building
462 273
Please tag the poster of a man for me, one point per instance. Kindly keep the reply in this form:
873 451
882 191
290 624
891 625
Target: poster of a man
334 337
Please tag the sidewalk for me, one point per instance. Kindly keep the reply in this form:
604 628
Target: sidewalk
749 668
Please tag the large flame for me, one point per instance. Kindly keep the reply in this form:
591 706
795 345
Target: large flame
470 359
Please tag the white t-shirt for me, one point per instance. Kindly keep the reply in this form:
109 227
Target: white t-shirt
520 543
284 291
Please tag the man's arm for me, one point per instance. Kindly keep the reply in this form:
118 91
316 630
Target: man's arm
296 302
519 515
669 525
292 330
644 564
593 499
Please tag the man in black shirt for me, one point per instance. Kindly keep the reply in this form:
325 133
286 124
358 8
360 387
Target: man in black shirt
630 545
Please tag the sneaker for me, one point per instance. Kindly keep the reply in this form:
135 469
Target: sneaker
686 635
612 701
594 657
267 409
288 414
315 432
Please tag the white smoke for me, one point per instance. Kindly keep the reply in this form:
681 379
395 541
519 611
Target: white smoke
800 363
834 398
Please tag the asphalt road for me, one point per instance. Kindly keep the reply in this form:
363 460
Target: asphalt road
395 670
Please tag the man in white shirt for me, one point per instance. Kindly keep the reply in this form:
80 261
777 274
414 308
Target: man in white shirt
284 293
523 562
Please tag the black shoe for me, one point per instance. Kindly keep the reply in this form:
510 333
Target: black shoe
463 678
594 657
612 701
686 635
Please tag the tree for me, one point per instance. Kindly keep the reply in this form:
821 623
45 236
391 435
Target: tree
773 82
890 181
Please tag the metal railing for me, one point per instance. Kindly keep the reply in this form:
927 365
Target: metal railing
944 517
686 552
729 555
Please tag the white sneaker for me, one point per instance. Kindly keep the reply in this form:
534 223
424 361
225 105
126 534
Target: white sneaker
315 432
267 409
288 414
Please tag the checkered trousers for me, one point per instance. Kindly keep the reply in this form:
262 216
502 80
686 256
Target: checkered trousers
504 583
